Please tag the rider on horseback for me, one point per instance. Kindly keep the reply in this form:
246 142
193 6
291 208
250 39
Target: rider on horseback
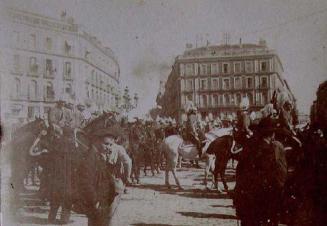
243 122
193 131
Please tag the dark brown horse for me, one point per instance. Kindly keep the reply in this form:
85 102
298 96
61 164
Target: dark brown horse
222 148
82 172
19 147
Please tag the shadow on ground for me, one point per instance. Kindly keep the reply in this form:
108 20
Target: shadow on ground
207 215
189 193
143 224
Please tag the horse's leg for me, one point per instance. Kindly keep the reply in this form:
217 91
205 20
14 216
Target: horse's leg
222 175
179 163
206 171
145 162
167 177
176 179
215 174
152 162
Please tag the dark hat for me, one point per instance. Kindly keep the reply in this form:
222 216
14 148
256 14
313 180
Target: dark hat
266 126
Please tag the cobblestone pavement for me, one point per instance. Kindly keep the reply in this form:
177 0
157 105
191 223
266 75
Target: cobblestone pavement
151 203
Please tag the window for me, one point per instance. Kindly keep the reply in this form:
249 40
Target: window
189 70
49 91
264 66
226 99
16 38
226 83
68 89
93 76
16 62
33 65
32 90
237 67
264 82
48 43
214 84
17 88
189 84
248 67
238 99
67 69
204 84
30 112
237 82
67 47
48 67
205 69
249 83
204 100
215 100
214 69
32 41
250 97
225 68
264 98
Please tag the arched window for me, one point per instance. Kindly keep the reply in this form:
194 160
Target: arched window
32 90
17 87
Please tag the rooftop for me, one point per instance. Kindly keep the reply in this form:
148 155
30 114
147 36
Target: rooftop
227 50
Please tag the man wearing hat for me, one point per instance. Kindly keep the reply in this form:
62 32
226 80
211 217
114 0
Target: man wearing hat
285 117
100 185
56 117
117 153
60 191
260 178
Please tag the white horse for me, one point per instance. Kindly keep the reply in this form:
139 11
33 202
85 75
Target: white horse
174 149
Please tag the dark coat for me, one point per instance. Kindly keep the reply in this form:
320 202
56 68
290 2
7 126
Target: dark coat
258 184
95 183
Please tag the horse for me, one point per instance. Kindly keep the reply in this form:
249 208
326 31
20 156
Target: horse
79 169
22 141
174 149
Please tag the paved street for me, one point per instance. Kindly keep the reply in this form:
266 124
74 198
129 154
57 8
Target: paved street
153 204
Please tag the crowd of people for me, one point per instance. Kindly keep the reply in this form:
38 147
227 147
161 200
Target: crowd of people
88 159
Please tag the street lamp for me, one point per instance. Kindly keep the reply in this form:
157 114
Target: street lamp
136 99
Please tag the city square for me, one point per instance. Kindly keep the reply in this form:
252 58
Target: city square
163 113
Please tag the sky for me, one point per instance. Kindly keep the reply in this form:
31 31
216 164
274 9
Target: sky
146 35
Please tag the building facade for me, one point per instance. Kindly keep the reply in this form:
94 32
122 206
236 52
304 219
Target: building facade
48 59
216 78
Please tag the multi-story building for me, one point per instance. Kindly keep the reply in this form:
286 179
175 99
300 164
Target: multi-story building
49 59
216 78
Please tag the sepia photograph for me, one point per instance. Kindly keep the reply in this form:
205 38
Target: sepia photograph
163 112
